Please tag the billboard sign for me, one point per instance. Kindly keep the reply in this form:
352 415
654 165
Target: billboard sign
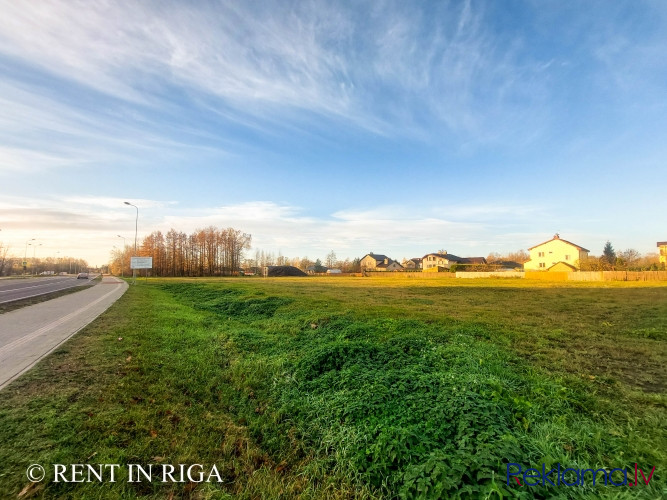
141 263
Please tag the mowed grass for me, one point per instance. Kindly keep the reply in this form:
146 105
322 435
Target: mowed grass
351 388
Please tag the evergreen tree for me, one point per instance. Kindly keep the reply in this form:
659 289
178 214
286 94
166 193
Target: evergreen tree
608 254
319 268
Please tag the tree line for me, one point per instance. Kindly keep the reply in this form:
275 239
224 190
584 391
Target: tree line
261 259
626 260
206 252
13 265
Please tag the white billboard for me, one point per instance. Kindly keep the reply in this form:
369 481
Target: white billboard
141 263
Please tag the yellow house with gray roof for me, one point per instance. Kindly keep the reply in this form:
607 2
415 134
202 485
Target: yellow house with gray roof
555 254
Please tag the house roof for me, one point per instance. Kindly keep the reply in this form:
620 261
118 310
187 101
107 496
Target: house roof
474 260
376 256
506 263
446 256
564 263
557 237
459 260
416 260
662 243
389 263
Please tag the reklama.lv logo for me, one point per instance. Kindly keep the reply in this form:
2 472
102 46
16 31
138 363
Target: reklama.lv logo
574 477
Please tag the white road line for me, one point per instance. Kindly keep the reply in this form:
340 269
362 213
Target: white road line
7 348
34 286
38 294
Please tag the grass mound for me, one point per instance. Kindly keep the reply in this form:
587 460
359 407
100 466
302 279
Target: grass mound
282 271
323 389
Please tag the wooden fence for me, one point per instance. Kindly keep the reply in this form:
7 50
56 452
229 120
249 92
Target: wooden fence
618 276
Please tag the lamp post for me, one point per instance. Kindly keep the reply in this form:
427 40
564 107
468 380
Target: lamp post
122 258
34 250
136 225
25 255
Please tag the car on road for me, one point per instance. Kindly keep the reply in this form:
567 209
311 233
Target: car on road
82 276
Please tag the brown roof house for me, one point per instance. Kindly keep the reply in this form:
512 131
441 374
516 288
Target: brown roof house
379 262
555 254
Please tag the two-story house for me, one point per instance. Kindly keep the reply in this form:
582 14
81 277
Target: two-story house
379 262
556 254
662 245
415 263
443 261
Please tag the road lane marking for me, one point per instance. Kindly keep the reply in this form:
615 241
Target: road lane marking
33 286
42 293
26 338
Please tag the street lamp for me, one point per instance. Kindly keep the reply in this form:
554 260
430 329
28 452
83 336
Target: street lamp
25 255
34 250
136 224
122 258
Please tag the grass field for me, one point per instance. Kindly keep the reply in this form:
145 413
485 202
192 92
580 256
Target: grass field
351 388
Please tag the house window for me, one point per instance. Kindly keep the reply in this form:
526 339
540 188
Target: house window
540 254
567 257
542 264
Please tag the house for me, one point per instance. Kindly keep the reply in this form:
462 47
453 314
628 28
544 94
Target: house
443 261
379 262
506 265
662 245
334 271
546 255
313 269
415 263
562 267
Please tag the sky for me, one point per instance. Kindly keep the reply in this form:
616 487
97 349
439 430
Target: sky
394 127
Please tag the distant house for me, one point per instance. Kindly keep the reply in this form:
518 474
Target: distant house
415 263
379 262
662 245
506 265
443 261
334 271
312 269
546 255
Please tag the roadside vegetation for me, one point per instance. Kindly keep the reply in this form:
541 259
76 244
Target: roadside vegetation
351 388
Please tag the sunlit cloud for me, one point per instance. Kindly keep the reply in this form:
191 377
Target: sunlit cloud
175 106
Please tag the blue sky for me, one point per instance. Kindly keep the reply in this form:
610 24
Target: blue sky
393 127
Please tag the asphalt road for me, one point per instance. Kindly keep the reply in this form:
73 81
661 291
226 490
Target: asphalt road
17 289
30 333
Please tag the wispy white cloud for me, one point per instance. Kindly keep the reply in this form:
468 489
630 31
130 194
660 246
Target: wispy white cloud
383 67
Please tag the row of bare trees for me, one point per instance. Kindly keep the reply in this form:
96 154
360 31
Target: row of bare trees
262 258
13 265
206 252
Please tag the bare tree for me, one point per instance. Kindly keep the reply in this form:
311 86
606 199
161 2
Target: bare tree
4 250
331 260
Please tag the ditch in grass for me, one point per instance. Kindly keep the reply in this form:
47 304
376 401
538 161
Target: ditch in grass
316 396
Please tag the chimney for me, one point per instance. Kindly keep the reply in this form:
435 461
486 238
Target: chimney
386 261
556 236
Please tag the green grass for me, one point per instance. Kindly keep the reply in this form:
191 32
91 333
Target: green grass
351 388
